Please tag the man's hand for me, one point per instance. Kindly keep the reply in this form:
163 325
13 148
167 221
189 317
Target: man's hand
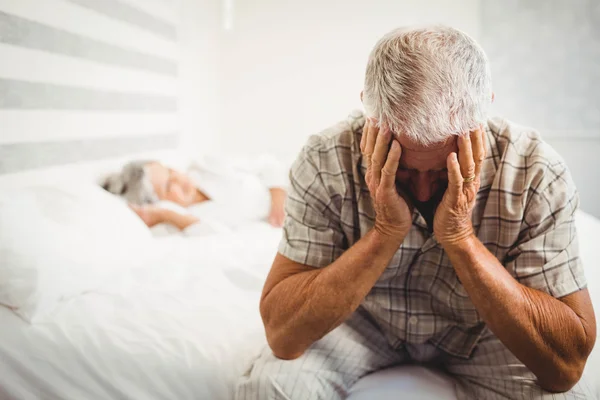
151 215
393 217
552 337
452 222
277 213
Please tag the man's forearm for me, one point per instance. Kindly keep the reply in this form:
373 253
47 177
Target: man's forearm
541 331
304 307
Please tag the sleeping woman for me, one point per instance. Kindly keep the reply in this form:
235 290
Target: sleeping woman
212 195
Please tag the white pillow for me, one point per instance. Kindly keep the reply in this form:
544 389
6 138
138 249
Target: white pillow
58 242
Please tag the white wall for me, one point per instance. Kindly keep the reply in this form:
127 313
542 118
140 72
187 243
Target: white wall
544 57
581 155
83 80
199 94
289 68
293 67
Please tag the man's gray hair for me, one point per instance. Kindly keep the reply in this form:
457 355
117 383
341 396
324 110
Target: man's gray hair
428 83
132 183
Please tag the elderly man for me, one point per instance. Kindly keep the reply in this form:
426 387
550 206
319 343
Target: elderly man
423 233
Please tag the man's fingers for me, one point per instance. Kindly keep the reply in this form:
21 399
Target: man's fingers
388 172
380 153
370 144
455 178
465 157
478 145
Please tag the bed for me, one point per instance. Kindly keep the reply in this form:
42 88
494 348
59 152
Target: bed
183 324
183 328
178 321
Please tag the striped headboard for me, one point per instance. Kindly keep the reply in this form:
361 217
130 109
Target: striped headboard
86 80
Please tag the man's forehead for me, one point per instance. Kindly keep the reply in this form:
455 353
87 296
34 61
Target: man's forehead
425 158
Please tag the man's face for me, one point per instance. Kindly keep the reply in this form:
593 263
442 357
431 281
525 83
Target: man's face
422 171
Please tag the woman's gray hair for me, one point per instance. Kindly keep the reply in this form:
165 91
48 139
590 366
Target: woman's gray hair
428 83
132 183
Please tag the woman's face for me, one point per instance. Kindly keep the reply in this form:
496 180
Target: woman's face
171 185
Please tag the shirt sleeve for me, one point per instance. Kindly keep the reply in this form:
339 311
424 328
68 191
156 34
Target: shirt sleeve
547 255
270 171
312 233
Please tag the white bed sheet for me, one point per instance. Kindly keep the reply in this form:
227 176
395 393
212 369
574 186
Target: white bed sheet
182 328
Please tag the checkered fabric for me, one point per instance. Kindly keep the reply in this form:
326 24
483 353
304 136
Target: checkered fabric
418 311
331 366
524 215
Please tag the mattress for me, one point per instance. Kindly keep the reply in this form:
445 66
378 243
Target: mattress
184 327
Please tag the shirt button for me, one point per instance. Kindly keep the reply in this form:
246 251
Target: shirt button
413 320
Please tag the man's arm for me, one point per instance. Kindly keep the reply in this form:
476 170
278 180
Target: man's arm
301 304
552 337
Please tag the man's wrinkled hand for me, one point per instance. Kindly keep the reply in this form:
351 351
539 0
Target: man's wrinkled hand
452 222
393 216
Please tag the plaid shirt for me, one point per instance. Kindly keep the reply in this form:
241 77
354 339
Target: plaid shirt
524 215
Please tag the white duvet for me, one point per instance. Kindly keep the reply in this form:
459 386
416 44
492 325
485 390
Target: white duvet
184 327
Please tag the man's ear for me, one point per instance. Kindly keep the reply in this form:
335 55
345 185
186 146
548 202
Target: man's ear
361 95
493 96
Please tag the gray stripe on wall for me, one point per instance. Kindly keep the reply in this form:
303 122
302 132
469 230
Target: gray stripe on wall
26 33
15 94
131 15
24 156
